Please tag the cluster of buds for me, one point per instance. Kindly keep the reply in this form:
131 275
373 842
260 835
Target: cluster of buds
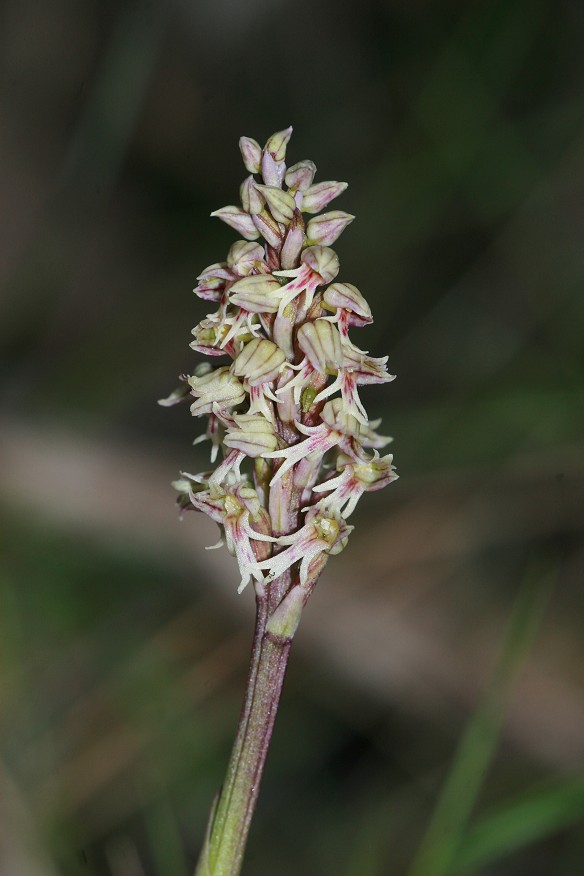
298 450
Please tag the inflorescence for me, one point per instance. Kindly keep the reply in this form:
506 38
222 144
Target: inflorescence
297 448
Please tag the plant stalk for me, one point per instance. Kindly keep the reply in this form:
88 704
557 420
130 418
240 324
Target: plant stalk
230 819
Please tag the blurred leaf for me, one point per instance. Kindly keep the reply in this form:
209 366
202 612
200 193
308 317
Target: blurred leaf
448 824
106 125
165 840
528 819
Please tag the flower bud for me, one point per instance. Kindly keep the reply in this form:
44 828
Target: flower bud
318 196
322 260
277 144
327 227
251 152
244 255
321 344
293 243
238 219
254 435
218 386
336 418
299 177
258 293
260 361
281 204
347 297
251 199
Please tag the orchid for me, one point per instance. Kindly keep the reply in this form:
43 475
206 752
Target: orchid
298 450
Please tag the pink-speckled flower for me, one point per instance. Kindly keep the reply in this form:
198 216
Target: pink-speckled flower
288 401
345 490
324 532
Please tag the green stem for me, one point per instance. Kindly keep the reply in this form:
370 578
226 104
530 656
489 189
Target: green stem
222 854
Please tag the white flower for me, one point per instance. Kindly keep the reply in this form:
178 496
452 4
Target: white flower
338 428
324 531
233 507
357 368
217 387
320 265
251 434
345 490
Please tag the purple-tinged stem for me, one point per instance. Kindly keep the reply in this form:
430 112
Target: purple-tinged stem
230 820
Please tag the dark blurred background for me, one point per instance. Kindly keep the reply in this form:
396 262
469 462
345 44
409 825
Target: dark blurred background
123 645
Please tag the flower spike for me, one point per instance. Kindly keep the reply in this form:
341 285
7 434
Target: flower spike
297 447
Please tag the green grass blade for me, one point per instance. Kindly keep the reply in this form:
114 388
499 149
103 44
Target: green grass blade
533 816
447 827
165 840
